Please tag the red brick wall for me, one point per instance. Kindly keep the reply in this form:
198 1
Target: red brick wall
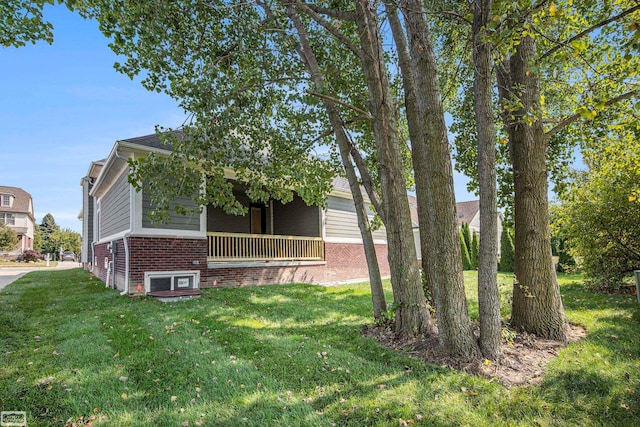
162 254
100 252
344 262
151 254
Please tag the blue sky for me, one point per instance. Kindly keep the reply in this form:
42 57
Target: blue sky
63 106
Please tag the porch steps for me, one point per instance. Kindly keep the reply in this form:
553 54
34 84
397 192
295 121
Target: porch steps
176 295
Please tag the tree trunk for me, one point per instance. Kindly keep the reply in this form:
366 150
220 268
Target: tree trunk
442 243
488 296
412 313
308 57
418 155
537 305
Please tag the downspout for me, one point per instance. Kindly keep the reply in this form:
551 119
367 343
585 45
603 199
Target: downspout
126 264
125 239
109 267
93 256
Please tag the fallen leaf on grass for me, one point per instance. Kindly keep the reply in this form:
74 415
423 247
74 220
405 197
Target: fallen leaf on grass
174 398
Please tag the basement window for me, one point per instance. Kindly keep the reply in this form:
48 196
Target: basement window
171 280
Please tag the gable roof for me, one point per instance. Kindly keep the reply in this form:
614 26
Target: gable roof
22 202
153 141
467 211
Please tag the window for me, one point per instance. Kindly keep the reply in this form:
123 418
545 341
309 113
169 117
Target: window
171 280
6 200
8 218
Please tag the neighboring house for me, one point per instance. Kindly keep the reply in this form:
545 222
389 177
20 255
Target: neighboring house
16 211
273 243
468 212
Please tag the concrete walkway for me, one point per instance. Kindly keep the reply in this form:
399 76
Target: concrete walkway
11 274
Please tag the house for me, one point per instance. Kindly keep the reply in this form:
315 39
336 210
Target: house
468 212
16 211
273 243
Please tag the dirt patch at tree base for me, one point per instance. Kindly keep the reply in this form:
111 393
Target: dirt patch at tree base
524 356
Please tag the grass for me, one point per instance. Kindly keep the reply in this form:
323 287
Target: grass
283 355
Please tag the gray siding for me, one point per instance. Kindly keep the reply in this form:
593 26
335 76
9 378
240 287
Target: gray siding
115 208
88 212
189 222
341 220
296 219
220 222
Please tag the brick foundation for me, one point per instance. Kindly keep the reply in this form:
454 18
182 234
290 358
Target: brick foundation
344 262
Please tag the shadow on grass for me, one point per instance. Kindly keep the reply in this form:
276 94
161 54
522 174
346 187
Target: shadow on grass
278 355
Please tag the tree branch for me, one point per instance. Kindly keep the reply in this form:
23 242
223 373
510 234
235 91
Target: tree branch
367 180
337 101
574 117
329 27
590 30
337 14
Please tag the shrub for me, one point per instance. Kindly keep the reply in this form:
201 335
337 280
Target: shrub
30 256
466 259
475 250
506 251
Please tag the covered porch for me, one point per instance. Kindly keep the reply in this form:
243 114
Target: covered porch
271 231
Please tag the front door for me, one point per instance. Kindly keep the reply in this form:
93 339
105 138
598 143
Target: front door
258 219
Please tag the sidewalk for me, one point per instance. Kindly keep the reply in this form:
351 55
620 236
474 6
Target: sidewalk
9 275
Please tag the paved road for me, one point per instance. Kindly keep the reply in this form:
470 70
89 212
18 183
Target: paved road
10 274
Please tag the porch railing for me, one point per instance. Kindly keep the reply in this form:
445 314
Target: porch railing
263 247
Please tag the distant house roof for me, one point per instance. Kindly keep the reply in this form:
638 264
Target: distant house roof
467 211
22 202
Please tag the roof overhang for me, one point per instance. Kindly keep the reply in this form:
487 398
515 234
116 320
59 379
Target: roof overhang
117 161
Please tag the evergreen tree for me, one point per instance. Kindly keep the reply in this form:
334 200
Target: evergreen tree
466 259
475 250
506 251
48 228
466 233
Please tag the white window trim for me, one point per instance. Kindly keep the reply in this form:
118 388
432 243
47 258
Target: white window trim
5 219
148 275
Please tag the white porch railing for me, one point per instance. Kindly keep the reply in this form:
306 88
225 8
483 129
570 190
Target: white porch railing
263 247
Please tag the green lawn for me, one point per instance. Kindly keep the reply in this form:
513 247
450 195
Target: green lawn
286 356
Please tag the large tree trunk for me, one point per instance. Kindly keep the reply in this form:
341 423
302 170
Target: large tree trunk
418 155
308 57
432 155
412 313
488 296
537 305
